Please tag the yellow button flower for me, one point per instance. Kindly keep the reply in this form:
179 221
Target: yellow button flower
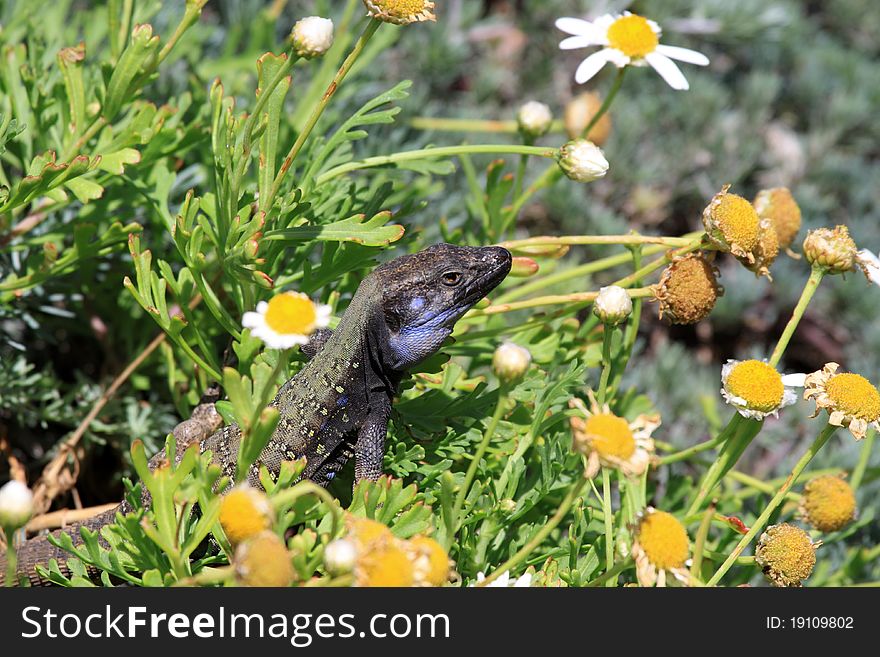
263 560
779 207
244 512
400 12
732 224
429 559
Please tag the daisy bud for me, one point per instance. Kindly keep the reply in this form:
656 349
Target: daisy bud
579 111
534 119
16 504
613 305
263 560
523 267
312 36
340 556
832 250
511 362
786 554
582 161
400 12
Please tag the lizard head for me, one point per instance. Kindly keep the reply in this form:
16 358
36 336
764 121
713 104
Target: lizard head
425 293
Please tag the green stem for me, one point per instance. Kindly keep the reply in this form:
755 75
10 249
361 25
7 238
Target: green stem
286 498
777 499
427 153
554 299
858 473
473 125
543 533
598 239
366 35
662 261
609 518
481 450
610 574
11 558
606 104
700 542
607 336
688 452
809 290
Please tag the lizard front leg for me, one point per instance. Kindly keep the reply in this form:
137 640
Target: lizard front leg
369 450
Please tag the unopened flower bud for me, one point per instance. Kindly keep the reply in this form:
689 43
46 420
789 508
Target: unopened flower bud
312 36
340 556
832 250
16 504
251 247
612 305
523 267
534 119
511 362
582 161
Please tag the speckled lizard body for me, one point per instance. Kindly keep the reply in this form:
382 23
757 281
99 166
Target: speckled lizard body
338 405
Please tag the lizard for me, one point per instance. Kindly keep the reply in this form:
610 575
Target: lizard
338 406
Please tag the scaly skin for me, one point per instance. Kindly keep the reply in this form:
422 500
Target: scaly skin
338 405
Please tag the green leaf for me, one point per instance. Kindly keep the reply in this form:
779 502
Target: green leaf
115 162
142 46
84 189
373 232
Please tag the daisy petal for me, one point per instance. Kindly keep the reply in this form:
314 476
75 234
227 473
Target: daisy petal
871 264
574 42
668 71
591 65
576 26
794 380
251 320
683 55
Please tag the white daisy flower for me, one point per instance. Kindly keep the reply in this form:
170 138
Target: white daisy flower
287 319
628 40
756 389
503 581
870 264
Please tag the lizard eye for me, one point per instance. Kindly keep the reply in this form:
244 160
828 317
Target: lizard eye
451 278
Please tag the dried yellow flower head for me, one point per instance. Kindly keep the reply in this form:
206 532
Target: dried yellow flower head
765 252
579 111
400 12
244 512
828 503
263 560
688 289
786 554
429 559
732 224
850 399
368 533
779 207
833 250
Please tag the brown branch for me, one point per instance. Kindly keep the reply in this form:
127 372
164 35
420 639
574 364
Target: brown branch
64 517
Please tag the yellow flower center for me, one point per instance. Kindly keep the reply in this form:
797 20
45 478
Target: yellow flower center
787 555
244 512
758 383
610 436
737 220
291 312
829 503
386 567
779 206
854 395
664 540
632 35
400 12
